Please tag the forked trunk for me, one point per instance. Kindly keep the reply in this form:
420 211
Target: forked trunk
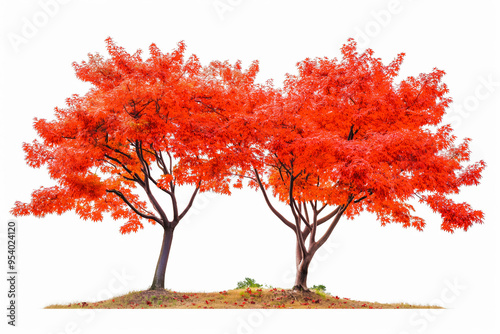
159 278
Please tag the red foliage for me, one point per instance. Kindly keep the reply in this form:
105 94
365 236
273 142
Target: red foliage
145 124
342 133
345 133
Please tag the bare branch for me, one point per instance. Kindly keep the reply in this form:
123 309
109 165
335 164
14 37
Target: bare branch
193 196
301 216
297 215
134 175
242 175
370 192
328 216
145 184
279 215
156 184
351 133
172 182
300 237
161 163
124 199
118 151
329 231
360 199
170 160
314 226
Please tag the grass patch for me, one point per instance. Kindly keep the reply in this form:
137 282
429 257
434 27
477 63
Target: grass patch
249 298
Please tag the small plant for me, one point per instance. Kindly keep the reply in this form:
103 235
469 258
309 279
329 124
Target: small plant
319 288
248 283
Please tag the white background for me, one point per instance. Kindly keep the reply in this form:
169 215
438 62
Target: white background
64 259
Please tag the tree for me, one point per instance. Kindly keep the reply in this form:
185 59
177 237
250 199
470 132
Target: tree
343 137
142 126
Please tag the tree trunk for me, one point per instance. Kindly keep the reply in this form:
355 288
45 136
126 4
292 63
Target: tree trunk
301 278
159 278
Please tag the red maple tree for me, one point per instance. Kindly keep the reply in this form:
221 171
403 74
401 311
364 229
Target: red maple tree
343 136
144 125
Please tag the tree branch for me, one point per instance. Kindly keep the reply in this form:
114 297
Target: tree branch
134 175
161 163
314 226
211 108
279 215
145 184
305 211
191 201
297 215
329 231
370 192
241 175
143 215
301 216
118 151
330 215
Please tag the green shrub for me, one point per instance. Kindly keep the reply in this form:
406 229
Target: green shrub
248 283
319 288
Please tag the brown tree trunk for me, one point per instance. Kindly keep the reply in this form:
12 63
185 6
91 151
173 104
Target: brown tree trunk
159 278
301 277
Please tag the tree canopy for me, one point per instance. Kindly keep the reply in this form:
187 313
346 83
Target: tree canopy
342 136
143 124
346 135
144 128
